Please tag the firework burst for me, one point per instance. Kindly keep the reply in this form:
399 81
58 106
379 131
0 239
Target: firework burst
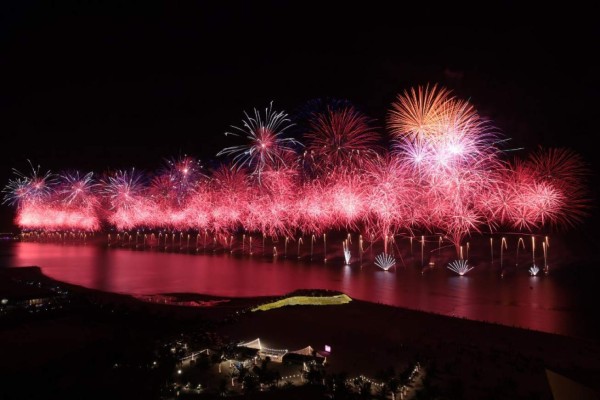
564 173
267 144
78 189
29 188
185 174
341 139
444 174
124 189
419 113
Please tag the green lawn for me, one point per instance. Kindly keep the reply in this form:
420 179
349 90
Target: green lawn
305 301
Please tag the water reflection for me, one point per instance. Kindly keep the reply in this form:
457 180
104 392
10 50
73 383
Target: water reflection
541 303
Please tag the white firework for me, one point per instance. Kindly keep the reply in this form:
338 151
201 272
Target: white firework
267 146
347 254
460 267
385 261
534 269
35 187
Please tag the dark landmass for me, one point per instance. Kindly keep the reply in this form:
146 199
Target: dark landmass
104 345
471 359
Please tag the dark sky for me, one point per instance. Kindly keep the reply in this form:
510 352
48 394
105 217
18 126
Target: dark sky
93 86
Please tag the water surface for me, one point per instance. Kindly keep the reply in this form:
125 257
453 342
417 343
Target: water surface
546 303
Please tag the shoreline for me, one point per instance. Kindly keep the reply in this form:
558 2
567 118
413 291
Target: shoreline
228 302
365 338
178 299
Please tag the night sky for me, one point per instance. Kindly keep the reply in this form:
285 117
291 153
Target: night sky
93 87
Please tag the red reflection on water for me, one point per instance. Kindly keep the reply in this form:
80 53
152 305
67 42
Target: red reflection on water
539 303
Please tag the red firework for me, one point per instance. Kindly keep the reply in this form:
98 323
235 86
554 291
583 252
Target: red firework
341 139
444 175
565 172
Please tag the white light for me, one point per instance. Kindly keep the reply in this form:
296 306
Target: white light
347 256
533 270
179 371
460 267
385 261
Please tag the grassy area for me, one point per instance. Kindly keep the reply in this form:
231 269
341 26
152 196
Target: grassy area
305 301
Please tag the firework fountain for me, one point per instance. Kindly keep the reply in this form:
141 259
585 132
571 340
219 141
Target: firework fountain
461 267
347 253
385 261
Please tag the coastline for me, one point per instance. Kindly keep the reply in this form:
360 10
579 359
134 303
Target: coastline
561 303
228 302
367 338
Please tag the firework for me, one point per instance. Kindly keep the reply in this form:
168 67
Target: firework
346 199
57 218
78 189
347 253
32 188
161 188
533 270
313 211
385 261
391 196
128 207
341 139
444 174
124 189
559 165
461 267
419 113
185 174
267 145
449 153
565 173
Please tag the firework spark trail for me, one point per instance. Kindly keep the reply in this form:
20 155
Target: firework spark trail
443 174
78 189
128 206
417 113
391 195
32 188
180 179
563 171
267 145
312 209
341 138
